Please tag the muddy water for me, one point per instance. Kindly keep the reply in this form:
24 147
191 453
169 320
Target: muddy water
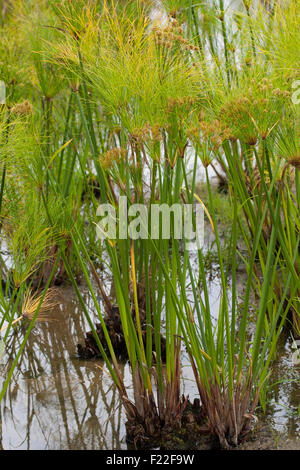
56 401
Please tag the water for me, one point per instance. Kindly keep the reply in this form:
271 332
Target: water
56 401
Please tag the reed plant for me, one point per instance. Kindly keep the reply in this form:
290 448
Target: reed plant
107 101
249 120
231 365
119 80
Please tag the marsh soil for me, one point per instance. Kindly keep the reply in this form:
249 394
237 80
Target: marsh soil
112 320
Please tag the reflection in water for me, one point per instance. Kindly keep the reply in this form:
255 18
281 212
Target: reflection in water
56 401
284 406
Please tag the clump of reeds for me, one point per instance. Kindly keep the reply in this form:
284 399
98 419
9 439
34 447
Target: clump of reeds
229 414
120 101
